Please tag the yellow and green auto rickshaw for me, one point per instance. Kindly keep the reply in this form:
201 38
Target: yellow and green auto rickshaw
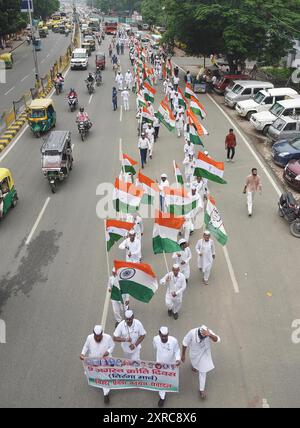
41 116
8 193
7 59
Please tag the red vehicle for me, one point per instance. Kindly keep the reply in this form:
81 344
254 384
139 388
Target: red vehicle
110 27
291 174
226 80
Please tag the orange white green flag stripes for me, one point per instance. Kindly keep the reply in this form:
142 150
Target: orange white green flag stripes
128 164
178 175
166 116
150 187
189 91
136 279
213 221
178 202
182 101
147 116
209 168
126 196
195 121
197 107
149 92
141 100
165 233
115 230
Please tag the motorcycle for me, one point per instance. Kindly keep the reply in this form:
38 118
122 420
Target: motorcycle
83 129
289 209
52 183
58 87
73 102
90 87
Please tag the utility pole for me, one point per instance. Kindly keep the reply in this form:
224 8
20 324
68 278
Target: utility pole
35 59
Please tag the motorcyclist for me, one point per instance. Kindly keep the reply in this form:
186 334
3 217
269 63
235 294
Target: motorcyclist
82 116
98 74
59 80
72 93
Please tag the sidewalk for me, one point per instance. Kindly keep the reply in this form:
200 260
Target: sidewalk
15 44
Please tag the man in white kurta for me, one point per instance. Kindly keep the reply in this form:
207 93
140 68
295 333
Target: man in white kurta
125 98
183 257
119 80
176 284
205 249
132 245
194 214
128 80
163 183
138 224
189 148
189 168
98 345
150 131
118 307
187 227
167 352
198 342
179 124
130 333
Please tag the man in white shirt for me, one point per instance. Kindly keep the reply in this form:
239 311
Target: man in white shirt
128 80
197 202
163 183
176 284
98 345
118 307
189 148
125 98
167 352
138 224
205 249
183 257
132 245
198 340
149 131
130 333
119 80
175 82
144 146
189 168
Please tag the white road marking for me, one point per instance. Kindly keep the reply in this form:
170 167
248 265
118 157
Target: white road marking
231 271
121 113
11 89
90 100
37 221
22 80
120 149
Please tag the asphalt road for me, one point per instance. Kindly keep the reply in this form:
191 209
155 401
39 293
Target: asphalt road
52 290
21 77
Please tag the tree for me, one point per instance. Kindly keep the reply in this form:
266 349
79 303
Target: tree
153 12
11 19
45 8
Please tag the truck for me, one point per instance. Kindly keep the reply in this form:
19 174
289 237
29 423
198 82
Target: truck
110 24
94 24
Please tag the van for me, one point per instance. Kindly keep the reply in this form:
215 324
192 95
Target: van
262 120
244 90
80 59
284 128
263 101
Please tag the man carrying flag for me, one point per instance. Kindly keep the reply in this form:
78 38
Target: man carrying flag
119 306
132 245
130 333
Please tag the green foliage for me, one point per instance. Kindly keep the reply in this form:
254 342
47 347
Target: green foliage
116 5
11 19
45 8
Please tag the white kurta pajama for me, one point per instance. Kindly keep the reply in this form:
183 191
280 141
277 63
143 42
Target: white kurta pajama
185 256
118 307
200 354
195 213
166 353
189 168
205 262
177 285
119 80
132 248
134 332
93 349
187 227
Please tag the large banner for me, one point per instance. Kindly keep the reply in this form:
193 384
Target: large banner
120 373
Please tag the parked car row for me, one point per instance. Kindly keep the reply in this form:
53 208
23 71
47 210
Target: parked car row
275 112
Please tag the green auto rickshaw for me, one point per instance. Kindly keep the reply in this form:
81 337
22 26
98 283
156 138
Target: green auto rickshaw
8 59
8 193
41 116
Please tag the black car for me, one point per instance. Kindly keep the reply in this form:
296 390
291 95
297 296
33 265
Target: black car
285 150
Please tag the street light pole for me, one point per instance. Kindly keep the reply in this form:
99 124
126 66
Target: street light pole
35 60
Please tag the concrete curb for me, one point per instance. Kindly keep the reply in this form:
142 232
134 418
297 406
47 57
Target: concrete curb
12 131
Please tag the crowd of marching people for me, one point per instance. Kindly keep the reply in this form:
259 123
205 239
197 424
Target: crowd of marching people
180 110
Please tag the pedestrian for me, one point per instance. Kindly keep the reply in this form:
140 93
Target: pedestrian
183 258
176 284
230 144
98 345
125 97
189 168
118 47
163 183
175 81
197 203
130 333
144 146
119 307
132 245
175 103
205 249
179 124
156 126
129 80
114 98
253 184
119 80
165 86
132 58
176 71
188 77
167 352
171 94
189 148
149 131
122 47
198 341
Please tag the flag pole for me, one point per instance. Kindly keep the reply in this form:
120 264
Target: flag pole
174 166
107 297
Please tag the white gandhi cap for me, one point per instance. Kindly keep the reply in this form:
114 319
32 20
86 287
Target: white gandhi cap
182 241
128 313
164 176
98 329
175 266
206 232
164 330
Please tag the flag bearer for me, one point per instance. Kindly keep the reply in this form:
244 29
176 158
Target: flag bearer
132 245
130 333
118 307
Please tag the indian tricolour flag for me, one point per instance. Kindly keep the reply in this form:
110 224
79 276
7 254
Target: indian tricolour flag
182 101
149 92
189 92
128 164
213 221
146 114
195 121
209 168
178 175
150 187
141 100
178 202
126 196
197 107
193 134
166 116
165 233
136 279
115 230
